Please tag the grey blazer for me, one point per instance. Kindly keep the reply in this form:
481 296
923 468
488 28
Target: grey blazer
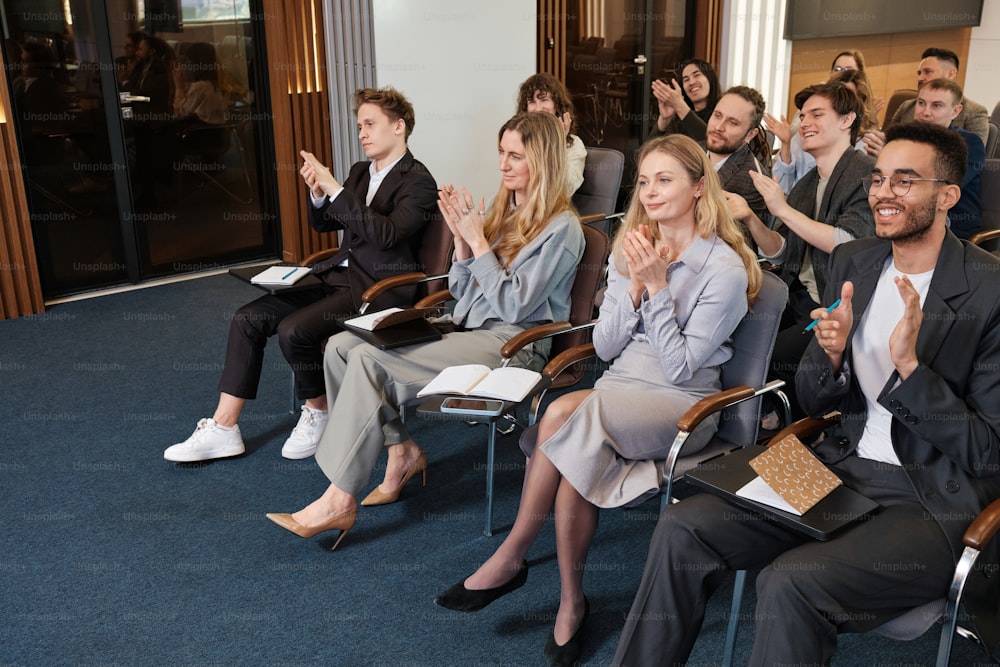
844 205
946 430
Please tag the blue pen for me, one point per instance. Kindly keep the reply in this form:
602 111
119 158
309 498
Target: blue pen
297 268
816 321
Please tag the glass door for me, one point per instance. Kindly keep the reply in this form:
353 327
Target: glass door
614 51
142 135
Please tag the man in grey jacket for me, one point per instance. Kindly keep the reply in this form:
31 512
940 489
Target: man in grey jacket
826 207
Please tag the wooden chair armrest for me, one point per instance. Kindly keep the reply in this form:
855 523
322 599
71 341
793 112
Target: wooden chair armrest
514 345
319 256
593 217
807 427
435 299
567 358
389 283
986 235
711 404
719 401
984 528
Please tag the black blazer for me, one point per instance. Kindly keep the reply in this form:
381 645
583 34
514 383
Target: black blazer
382 239
946 430
844 205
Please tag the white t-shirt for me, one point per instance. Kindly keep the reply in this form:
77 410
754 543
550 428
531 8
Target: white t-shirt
871 361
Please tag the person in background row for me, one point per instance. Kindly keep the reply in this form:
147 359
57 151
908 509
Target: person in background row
544 92
939 102
686 107
938 63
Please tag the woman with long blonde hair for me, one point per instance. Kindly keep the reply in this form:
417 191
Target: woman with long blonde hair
679 282
513 267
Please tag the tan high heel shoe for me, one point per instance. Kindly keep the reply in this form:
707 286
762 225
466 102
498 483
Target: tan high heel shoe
342 522
376 497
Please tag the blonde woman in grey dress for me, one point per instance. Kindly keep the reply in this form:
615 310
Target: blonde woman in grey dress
513 268
679 283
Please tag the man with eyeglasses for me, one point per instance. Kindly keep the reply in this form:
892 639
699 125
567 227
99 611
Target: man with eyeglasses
909 358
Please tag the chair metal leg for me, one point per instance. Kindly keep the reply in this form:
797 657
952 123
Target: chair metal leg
294 404
734 618
950 618
490 457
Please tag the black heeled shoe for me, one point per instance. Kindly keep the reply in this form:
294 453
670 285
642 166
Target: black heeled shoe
460 598
568 654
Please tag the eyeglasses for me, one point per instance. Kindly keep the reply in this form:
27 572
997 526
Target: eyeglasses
899 184
842 68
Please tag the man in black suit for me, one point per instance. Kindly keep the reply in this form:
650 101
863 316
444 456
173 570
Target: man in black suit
733 128
910 360
826 207
382 209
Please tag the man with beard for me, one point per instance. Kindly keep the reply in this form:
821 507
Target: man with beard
733 125
909 358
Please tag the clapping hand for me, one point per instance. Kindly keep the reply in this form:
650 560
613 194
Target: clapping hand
834 327
465 220
647 265
670 100
903 340
317 176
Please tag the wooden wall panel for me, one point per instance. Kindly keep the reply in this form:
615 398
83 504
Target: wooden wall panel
551 37
20 286
297 67
708 31
890 60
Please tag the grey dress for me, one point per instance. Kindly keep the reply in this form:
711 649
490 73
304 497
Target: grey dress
665 357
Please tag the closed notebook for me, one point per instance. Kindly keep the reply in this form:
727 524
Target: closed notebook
792 471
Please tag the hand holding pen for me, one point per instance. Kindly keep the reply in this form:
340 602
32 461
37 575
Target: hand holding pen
832 325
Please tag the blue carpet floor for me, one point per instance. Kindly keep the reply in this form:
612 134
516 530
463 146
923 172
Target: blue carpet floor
113 556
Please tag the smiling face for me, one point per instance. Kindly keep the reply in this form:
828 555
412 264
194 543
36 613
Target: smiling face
696 85
665 189
381 138
821 127
729 125
514 164
907 218
938 107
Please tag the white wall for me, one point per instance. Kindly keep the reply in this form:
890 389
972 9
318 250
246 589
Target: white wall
753 51
984 55
459 63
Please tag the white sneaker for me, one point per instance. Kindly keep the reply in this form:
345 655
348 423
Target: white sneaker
209 441
304 440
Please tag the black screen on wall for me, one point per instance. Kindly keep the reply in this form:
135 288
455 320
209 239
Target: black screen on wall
808 19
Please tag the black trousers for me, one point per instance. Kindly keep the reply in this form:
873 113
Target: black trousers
807 591
303 319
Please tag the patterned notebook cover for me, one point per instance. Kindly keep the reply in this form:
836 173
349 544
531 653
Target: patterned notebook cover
794 473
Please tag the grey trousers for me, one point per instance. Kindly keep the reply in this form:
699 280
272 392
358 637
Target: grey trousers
367 387
807 591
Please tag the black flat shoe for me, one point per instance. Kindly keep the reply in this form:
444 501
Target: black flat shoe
460 598
568 654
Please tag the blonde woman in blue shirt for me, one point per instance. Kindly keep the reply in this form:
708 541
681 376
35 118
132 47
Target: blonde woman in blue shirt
513 268
679 283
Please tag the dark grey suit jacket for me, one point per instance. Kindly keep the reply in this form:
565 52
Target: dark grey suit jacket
735 176
844 205
946 426
382 239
